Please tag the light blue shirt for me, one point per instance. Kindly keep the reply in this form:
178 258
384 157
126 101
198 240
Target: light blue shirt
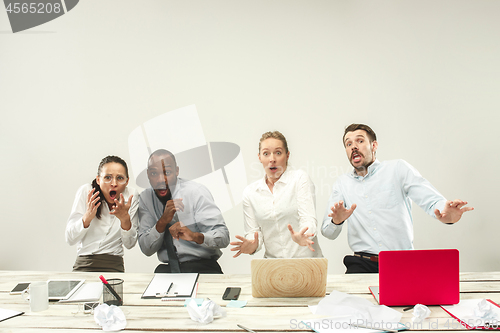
200 214
382 219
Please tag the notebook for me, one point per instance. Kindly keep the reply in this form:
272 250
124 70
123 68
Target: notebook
410 277
304 277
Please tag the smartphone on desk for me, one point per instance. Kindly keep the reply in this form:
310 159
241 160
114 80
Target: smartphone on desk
231 293
19 288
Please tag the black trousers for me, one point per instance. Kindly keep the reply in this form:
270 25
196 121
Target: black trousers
202 266
360 265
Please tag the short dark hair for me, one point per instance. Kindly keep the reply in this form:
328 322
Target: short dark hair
354 127
161 152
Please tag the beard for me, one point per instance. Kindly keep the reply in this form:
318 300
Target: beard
165 198
363 167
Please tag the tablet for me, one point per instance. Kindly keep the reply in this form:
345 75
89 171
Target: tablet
63 289
19 288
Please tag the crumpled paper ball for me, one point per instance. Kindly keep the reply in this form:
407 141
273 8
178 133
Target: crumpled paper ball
206 312
484 310
420 312
110 318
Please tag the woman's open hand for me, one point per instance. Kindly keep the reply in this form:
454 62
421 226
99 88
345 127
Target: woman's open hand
245 245
301 237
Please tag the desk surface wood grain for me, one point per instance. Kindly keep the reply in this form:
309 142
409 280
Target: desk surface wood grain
261 314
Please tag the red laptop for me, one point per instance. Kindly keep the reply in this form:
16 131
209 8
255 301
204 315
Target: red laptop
409 277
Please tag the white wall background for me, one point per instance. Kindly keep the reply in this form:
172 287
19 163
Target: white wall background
424 74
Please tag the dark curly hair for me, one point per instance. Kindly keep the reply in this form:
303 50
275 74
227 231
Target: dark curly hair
96 187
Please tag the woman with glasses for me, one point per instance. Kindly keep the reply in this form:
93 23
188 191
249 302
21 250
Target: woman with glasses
103 218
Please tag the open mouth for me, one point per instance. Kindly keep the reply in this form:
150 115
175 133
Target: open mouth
112 195
356 157
161 190
273 169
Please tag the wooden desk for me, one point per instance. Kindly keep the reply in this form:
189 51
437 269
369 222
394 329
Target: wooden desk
262 315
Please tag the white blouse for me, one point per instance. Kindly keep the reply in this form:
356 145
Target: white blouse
269 213
104 235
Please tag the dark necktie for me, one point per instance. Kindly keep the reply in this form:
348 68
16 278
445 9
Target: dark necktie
173 260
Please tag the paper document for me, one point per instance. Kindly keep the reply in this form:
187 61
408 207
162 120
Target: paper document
6 314
464 312
166 285
354 314
375 292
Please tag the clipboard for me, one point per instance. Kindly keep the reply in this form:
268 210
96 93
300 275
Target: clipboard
171 285
463 312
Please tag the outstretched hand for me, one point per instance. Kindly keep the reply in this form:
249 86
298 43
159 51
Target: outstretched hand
339 213
301 237
120 210
452 211
120 207
245 245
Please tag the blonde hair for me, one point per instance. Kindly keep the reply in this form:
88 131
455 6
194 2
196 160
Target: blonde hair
274 135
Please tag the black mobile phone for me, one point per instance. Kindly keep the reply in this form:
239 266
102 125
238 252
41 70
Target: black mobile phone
19 288
231 293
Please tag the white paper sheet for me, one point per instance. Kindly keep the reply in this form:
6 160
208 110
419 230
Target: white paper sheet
355 307
6 314
183 285
464 312
349 311
88 292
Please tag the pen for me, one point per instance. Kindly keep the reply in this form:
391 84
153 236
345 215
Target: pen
170 287
165 294
245 328
408 308
111 290
371 328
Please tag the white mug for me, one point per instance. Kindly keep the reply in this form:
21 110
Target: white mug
38 296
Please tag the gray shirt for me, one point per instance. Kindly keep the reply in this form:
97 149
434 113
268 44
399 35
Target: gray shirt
200 215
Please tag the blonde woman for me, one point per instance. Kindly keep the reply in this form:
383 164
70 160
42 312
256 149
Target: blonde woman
279 210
